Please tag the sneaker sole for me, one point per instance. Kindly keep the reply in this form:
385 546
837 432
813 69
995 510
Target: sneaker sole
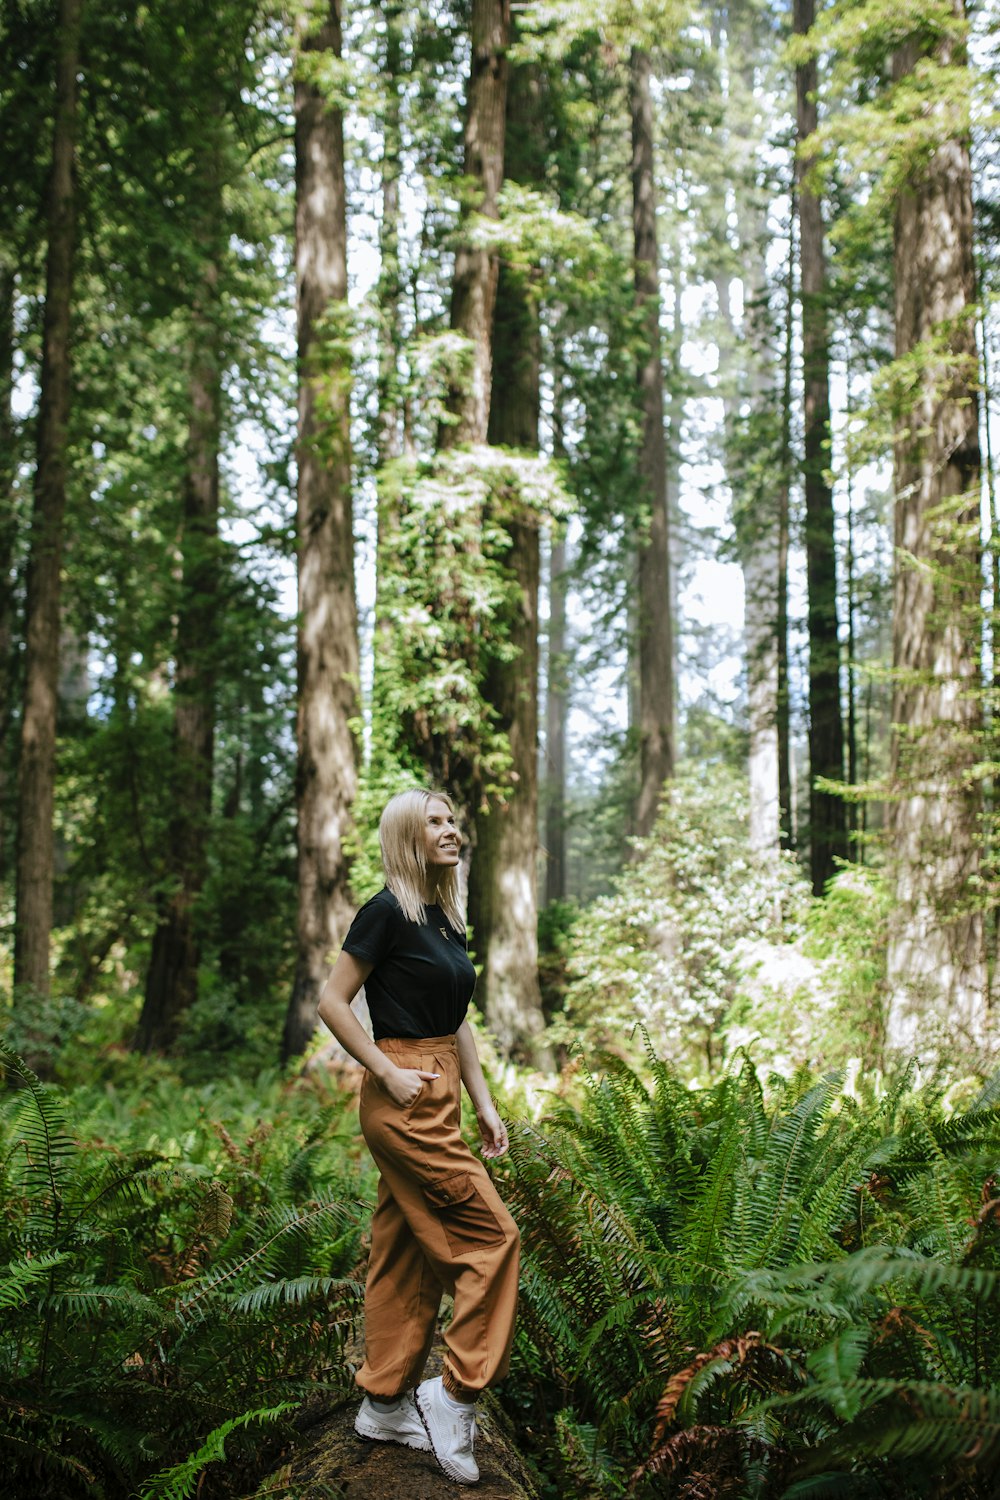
417 1444
451 1472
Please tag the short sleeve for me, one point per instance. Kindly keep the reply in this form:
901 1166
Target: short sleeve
373 932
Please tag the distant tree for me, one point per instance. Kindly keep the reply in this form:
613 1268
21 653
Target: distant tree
556 711
172 975
8 535
391 422
827 818
477 266
750 381
36 780
655 630
213 112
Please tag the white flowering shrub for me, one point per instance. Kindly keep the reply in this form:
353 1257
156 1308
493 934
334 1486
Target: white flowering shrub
820 1001
668 950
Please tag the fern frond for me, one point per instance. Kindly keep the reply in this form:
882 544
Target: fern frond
271 1294
179 1482
40 1135
21 1278
290 1222
988 1096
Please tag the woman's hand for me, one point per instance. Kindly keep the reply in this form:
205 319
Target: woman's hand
493 1131
404 1084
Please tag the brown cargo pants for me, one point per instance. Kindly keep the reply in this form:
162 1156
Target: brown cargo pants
439 1226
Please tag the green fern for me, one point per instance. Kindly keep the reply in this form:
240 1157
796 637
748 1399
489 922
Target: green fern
857 1239
179 1482
140 1294
20 1280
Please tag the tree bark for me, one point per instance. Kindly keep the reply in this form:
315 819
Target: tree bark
786 820
938 982
556 711
390 289
36 770
827 821
756 494
391 426
8 532
655 648
474 285
172 976
503 879
328 621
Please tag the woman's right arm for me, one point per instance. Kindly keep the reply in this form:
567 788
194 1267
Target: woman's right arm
346 978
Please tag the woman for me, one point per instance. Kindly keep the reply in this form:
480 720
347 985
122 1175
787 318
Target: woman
439 1224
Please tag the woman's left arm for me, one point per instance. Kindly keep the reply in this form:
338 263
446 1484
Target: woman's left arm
491 1127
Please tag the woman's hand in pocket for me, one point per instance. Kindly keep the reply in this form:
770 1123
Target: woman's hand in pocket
403 1085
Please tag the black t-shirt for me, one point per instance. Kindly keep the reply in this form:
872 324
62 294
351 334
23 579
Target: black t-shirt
422 980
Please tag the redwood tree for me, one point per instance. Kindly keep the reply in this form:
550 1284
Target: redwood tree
503 881
827 820
172 976
474 281
36 772
8 529
556 712
655 631
328 622
937 967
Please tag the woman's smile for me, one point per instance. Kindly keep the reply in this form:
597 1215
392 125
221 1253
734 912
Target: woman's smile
442 840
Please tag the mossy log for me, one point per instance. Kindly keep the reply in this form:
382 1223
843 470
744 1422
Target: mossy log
330 1462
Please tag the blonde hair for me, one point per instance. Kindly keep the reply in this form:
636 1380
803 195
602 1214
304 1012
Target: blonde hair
401 840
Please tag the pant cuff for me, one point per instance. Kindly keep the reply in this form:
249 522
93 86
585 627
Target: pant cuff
455 1388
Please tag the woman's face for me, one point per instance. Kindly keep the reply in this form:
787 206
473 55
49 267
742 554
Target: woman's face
442 840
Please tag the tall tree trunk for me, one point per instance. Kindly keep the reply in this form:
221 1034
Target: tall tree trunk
937 969
993 791
328 621
759 555
390 287
786 819
852 705
391 429
72 700
760 558
757 499
172 976
556 711
8 533
503 880
655 652
474 284
36 771
827 820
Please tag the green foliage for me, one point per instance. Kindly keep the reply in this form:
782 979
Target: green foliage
882 141
667 949
819 999
446 599
734 1291
179 1482
160 1280
556 922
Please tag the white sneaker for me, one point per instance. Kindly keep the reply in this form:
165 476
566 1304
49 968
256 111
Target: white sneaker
400 1425
451 1428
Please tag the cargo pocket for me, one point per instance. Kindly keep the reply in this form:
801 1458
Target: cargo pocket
467 1219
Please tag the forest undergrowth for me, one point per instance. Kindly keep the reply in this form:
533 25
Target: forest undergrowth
761 1258
765 1286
